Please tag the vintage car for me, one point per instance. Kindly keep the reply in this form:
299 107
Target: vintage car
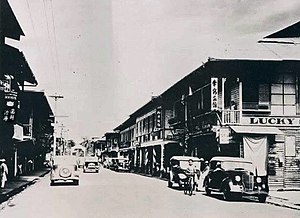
235 177
178 164
64 169
119 164
91 164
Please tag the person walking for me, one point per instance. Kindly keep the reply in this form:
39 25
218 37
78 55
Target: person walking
3 172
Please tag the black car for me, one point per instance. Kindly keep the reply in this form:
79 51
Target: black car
235 177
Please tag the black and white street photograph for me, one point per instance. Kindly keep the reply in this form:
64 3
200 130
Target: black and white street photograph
149 108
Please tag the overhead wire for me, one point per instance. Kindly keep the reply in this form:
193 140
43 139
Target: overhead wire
50 41
55 43
32 24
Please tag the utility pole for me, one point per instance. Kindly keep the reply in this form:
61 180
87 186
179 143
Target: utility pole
63 138
55 97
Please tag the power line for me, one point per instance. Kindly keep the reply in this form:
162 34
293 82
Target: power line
52 58
55 44
32 24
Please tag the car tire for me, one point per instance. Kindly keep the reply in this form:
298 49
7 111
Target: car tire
262 198
51 183
170 184
76 182
207 190
227 195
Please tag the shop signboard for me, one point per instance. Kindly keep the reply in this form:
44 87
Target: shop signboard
10 109
214 94
224 135
18 132
271 121
5 85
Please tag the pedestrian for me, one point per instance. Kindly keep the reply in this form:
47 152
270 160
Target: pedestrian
20 171
3 172
30 165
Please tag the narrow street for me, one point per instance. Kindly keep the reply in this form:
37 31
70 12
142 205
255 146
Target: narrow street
111 194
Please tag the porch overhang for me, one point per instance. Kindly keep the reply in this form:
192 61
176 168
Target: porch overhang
262 130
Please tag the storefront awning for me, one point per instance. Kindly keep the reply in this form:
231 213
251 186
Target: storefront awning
265 130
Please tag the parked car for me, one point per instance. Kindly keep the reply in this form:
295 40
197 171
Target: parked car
235 177
64 169
91 164
119 164
178 164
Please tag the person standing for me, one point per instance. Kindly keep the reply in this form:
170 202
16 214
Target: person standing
3 172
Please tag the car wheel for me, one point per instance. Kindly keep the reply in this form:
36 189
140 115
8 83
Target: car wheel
262 198
207 190
51 183
170 184
227 195
76 182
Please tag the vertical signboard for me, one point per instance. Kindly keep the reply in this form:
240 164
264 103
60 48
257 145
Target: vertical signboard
214 93
10 108
158 117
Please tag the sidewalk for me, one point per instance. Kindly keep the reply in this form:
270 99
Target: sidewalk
16 185
289 198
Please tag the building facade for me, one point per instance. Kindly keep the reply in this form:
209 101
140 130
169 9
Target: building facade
228 107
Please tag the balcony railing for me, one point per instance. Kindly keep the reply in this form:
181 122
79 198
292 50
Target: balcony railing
231 116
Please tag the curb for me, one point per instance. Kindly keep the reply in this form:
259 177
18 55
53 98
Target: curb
282 203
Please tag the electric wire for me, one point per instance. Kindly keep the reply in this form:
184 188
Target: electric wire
50 41
32 24
55 43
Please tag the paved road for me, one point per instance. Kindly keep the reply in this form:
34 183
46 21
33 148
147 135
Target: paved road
111 194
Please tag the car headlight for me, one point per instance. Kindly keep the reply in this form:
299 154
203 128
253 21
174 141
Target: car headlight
237 178
258 180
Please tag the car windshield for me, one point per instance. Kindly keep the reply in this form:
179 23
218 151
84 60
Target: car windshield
66 160
91 159
185 164
234 165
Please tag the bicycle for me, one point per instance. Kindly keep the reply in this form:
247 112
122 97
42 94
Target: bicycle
189 185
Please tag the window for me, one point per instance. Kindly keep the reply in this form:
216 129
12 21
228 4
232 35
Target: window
290 146
283 95
255 95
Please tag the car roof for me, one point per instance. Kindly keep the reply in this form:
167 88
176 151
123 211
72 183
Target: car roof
185 158
231 159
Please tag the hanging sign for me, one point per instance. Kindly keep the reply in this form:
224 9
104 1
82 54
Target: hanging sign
224 135
214 94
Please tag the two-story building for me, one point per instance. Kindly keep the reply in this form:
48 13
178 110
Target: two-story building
244 108
229 107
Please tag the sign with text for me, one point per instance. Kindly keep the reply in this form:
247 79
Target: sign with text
271 121
224 135
5 85
214 94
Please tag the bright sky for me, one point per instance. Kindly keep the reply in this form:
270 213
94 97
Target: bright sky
107 57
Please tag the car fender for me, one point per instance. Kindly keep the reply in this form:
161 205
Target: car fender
227 182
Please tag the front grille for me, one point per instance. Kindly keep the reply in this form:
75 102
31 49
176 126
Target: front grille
248 182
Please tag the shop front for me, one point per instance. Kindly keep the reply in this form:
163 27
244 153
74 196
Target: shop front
272 143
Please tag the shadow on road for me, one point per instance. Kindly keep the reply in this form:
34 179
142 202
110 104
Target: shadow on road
220 197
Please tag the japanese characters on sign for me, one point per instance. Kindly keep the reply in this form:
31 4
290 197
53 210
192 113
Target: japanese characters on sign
214 94
10 108
158 117
5 85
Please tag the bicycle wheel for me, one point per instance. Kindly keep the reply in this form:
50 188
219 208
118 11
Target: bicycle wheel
191 187
185 188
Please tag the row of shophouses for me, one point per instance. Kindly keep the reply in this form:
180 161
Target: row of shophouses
26 116
229 107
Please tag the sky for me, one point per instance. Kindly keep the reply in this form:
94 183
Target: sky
108 57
